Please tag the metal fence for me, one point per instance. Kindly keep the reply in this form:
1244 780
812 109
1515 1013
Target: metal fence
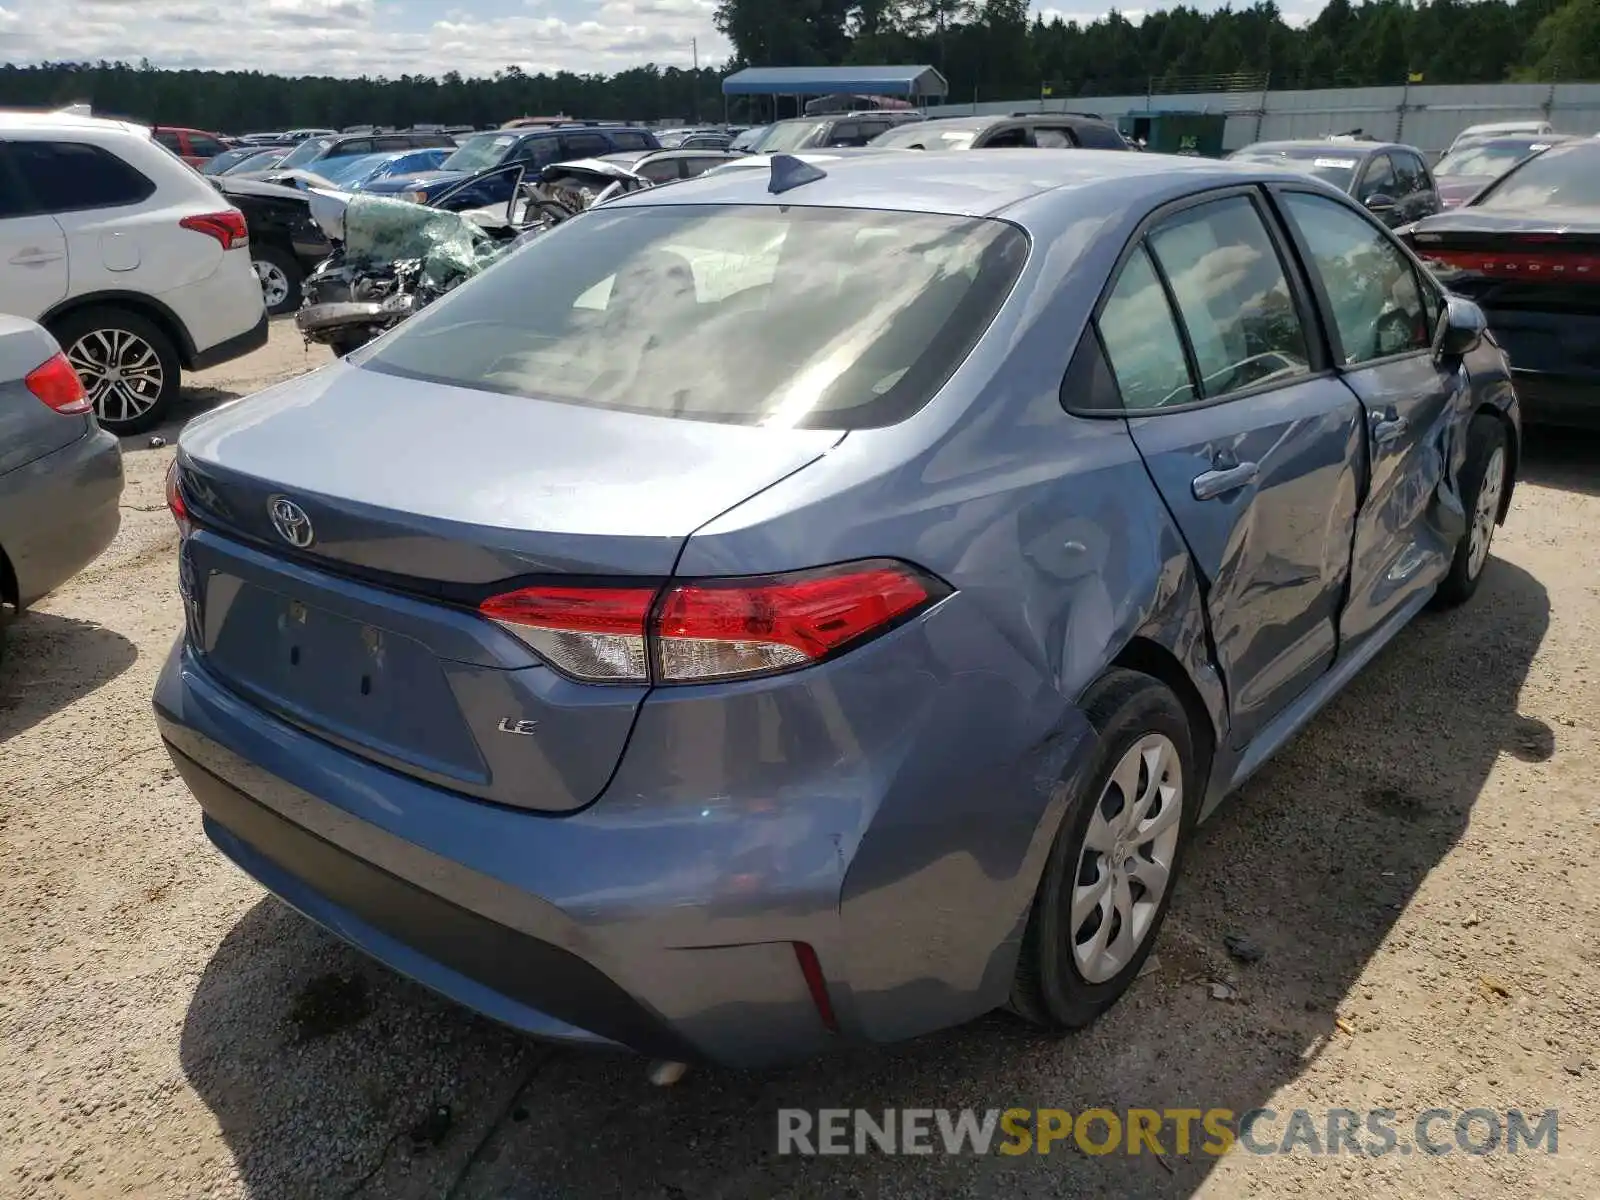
1427 116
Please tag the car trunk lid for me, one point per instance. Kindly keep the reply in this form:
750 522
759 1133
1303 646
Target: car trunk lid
419 501
1522 267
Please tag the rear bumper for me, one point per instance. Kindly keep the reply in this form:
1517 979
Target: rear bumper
65 512
247 342
221 316
1552 399
665 919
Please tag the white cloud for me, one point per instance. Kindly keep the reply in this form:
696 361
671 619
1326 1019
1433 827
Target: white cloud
365 37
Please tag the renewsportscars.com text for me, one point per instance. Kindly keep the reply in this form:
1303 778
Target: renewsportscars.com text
1181 1131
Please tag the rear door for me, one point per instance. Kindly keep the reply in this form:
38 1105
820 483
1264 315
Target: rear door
1253 442
33 249
1382 311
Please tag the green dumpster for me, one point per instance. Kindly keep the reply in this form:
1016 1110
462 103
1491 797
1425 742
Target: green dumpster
1194 133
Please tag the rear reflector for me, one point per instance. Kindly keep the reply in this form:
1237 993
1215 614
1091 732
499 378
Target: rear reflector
713 629
227 226
57 384
1580 268
175 504
589 633
816 984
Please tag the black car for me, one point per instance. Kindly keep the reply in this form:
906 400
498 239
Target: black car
1392 180
285 243
1527 249
831 129
1046 131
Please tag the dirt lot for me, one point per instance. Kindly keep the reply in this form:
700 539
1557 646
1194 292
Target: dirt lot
1418 869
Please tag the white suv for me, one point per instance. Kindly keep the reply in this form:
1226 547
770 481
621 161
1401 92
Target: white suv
130 258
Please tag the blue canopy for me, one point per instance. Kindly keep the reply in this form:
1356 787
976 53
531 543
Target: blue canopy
825 81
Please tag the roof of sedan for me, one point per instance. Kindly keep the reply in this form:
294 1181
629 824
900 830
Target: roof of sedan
958 184
1331 145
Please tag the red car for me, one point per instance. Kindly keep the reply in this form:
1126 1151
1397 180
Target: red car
194 146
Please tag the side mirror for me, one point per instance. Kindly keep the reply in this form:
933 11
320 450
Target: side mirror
1461 329
1380 203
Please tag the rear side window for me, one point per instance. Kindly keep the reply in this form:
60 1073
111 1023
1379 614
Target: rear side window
661 170
203 146
1232 295
630 141
74 176
1093 136
1378 302
13 201
747 315
1141 340
1016 135
1048 138
169 139
584 145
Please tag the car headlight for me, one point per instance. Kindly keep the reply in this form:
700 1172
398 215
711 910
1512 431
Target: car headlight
415 197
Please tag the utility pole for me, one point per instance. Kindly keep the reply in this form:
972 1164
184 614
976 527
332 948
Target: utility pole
694 48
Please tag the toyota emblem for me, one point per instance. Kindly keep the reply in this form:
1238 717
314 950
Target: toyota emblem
291 522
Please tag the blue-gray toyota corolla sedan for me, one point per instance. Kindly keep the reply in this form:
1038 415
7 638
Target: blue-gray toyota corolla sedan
817 604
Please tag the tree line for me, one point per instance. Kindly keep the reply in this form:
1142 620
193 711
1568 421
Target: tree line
994 50
987 49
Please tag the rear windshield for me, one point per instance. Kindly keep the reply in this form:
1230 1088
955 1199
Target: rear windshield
748 315
1488 158
1566 176
1337 167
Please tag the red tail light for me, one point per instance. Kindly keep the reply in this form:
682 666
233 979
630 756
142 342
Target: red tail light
57 384
713 628
175 504
227 227
1517 264
588 633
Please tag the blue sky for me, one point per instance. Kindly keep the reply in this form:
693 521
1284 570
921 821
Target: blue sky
355 37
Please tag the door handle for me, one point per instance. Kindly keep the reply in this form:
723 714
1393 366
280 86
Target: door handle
1389 429
35 256
1219 483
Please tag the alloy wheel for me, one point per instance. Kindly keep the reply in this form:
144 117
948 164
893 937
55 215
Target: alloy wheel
1486 512
121 372
1127 858
274 283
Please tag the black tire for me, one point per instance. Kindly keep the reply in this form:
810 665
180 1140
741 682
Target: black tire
1485 436
293 276
1049 989
106 329
344 345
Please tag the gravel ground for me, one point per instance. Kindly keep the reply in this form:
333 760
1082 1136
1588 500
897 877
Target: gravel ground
1417 869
